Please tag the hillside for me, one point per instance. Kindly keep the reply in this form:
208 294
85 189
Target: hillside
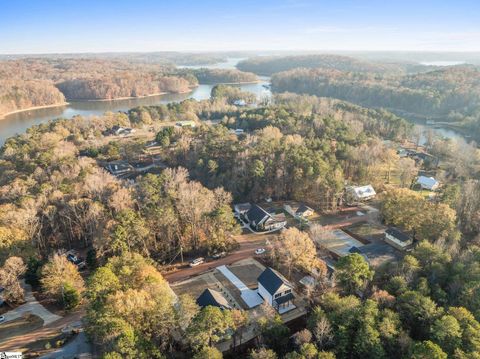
268 65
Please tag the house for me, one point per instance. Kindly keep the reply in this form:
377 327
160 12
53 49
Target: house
355 194
239 102
397 238
241 209
185 124
428 183
119 168
213 298
119 131
261 220
275 290
302 211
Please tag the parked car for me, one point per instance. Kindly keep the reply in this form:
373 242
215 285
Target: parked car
72 258
219 255
197 262
2 318
260 251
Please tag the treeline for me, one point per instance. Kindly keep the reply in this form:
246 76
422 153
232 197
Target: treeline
17 95
215 76
49 81
131 85
451 94
268 65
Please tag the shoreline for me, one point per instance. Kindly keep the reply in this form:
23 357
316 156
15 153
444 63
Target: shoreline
233 83
5 115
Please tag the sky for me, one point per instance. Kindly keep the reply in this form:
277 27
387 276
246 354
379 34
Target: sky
47 26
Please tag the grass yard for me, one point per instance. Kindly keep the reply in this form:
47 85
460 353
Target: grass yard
19 326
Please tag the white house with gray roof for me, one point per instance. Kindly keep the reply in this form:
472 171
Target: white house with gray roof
275 290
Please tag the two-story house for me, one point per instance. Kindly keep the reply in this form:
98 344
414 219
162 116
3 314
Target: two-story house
275 290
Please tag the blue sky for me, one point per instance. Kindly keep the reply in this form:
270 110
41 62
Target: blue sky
46 26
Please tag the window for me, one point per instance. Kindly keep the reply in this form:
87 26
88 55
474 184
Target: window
278 295
288 291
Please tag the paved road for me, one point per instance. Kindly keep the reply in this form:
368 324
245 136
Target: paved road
20 342
31 306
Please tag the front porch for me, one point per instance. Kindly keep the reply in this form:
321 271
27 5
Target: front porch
284 304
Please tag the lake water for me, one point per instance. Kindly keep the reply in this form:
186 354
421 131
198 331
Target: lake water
19 122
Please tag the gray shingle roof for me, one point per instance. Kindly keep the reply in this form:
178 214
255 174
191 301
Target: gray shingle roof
398 234
213 298
256 214
271 280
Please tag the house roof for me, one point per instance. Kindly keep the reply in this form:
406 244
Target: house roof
398 234
429 182
364 191
284 298
241 207
257 213
271 280
213 298
302 209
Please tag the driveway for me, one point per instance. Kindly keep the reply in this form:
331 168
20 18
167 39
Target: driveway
79 348
31 306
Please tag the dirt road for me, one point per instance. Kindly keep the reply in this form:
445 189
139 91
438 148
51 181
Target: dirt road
248 243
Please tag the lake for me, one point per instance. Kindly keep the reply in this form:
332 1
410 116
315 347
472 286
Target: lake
19 122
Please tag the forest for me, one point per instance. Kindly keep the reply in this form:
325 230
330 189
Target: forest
446 95
55 194
269 65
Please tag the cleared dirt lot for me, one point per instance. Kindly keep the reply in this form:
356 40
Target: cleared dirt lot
369 231
20 326
247 273
194 287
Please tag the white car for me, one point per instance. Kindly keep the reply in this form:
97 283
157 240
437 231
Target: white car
260 251
196 262
2 318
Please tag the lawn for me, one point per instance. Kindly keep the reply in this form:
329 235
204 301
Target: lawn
20 326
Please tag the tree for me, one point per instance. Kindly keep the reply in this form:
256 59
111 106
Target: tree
427 350
58 275
186 310
209 326
71 297
131 308
164 136
208 353
240 319
263 353
10 274
295 249
418 313
353 273
274 333
447 333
